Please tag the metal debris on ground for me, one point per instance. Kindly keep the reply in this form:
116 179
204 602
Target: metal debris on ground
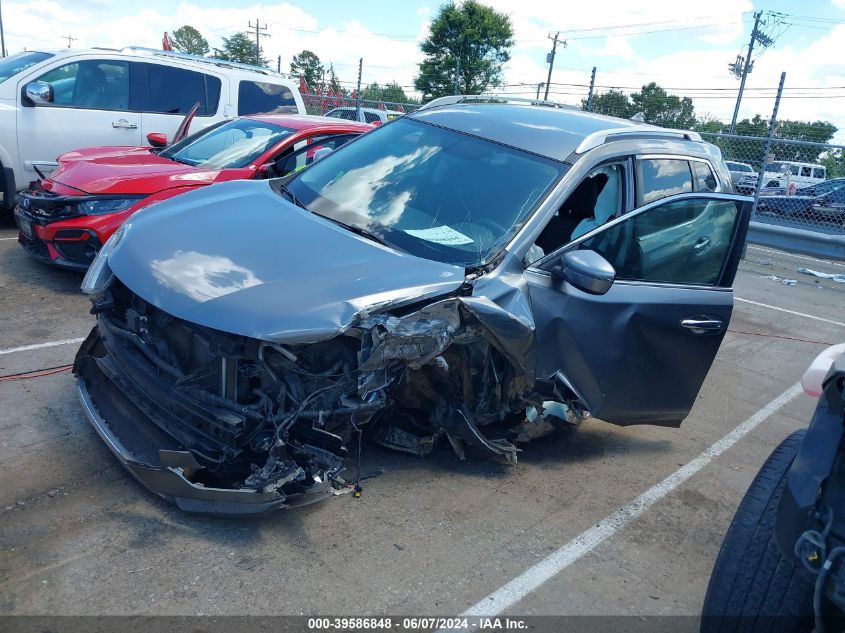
837 277
783 280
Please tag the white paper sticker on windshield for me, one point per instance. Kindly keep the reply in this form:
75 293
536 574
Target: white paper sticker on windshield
440 235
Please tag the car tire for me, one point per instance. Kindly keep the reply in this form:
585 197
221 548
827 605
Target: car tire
753 586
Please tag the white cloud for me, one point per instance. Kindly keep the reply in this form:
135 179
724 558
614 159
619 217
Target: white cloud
624 58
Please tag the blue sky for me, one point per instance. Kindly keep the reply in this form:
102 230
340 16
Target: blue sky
683 46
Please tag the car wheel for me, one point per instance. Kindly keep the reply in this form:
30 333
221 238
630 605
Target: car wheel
753 587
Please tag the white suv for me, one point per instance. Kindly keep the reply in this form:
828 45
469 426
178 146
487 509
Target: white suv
53 102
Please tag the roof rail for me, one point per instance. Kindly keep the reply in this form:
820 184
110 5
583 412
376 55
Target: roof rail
223 63
595 139
490 98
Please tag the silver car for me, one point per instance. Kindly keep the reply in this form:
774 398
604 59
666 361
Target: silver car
471 275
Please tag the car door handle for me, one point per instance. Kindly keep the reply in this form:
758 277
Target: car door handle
703 326
123 123
701 244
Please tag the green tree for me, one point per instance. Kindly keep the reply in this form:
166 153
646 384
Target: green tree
805 131
757 126
188 40
468 37
334 82
710 124
663 109
309 66
835 163
612 103
240 48
391 92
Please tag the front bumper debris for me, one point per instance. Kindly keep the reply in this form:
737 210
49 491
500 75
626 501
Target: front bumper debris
158 462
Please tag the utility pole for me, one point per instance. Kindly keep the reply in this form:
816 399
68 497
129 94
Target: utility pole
539 85
69 39
741 67
590 94
2 37
258 36
279 64
457 77
358 90
550 59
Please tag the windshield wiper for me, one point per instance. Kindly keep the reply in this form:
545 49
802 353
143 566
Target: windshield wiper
359 231
283 188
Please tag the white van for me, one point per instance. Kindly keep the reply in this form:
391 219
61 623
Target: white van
53 102
790 174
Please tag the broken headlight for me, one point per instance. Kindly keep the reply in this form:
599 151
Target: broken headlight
99 275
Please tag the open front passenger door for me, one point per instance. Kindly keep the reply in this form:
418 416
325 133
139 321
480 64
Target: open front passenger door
639 353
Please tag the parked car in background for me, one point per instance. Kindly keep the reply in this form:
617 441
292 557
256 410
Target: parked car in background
74 211
54 102
780 567
786 175
740 170
820 188
827 207
439 278
373 116
817 202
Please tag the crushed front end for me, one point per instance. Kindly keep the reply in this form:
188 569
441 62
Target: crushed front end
227 424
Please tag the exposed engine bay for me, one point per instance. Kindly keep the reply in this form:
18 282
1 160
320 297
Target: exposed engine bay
229 412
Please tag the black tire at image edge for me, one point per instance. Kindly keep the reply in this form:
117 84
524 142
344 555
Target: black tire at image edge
753 587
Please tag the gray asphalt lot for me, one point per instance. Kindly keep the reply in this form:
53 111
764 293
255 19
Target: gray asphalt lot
79 536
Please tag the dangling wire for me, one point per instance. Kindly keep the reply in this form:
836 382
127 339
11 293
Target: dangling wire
358 489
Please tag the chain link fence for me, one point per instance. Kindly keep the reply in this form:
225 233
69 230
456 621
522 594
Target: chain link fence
346 107
796 189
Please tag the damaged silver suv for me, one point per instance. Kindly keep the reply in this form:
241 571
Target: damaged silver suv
467 274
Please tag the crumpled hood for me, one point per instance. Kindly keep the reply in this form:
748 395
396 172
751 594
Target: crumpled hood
119 170
240 258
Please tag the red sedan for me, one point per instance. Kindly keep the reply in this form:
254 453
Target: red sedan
93 191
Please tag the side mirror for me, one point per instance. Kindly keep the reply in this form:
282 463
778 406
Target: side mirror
157 139
587 271
264 170
38 93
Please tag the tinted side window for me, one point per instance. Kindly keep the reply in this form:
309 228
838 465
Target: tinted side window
91 84
818 172
683 242
176 90
664 177
259 97
704 178
805 171
371 117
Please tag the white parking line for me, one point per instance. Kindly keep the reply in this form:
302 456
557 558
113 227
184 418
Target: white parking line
518 588
805 257
801 314
26 348
7 238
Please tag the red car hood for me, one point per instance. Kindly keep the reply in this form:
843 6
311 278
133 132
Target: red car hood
118 170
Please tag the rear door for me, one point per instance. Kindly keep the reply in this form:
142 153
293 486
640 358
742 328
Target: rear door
639 353
170 94
92 105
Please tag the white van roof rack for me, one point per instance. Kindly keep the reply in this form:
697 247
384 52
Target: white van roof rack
222 63
490 98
